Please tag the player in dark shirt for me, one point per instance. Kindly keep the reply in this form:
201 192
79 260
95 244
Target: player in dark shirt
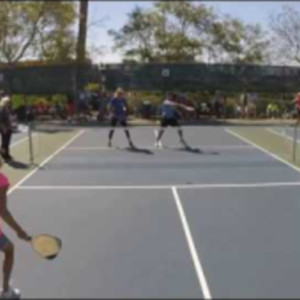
118 108
5 127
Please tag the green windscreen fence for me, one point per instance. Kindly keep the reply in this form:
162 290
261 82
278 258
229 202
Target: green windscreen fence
197 77
71 78
52 79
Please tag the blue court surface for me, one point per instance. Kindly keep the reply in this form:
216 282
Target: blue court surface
220 220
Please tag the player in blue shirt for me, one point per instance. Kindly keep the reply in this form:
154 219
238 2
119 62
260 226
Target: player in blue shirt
118 107
170 116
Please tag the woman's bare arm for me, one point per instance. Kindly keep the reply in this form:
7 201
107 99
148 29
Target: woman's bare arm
9 219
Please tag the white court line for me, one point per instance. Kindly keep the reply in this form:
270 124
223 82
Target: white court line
263 149
17 185
229 147
160 187
191 244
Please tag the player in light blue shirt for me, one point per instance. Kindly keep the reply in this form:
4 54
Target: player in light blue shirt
170 116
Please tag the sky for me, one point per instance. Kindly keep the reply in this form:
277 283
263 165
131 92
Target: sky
113 15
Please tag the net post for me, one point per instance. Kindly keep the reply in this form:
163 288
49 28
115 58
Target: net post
31 158
295 140
29 122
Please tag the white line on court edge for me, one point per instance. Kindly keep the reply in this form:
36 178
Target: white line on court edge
17 185
263 149
233 147
160 187
191 244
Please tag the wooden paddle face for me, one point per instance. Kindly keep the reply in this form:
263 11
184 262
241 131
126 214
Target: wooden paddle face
46 246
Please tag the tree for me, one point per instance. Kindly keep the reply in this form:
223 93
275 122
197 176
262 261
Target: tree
164 33
184 31
235 42
136 38
175 35
19 24
56 40
35 29
285 27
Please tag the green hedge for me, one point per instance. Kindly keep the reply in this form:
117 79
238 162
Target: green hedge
18 100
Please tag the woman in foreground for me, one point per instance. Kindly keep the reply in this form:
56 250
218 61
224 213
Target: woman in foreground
6 245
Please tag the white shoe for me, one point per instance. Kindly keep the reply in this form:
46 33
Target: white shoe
158 144
10 294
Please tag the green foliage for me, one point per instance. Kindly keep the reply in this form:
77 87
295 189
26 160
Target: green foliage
183 31
18 100
60 99
56 40
92 87
18 27
235 42
153 35
34 28
136 37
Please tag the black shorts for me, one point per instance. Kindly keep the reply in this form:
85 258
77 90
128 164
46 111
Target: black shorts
169 122
3 241
115 121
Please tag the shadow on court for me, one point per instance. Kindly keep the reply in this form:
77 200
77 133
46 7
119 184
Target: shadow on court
196 151
137 150
52 130
18 165
23 166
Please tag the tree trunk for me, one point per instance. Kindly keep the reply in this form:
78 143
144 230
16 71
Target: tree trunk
81 42
81 47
